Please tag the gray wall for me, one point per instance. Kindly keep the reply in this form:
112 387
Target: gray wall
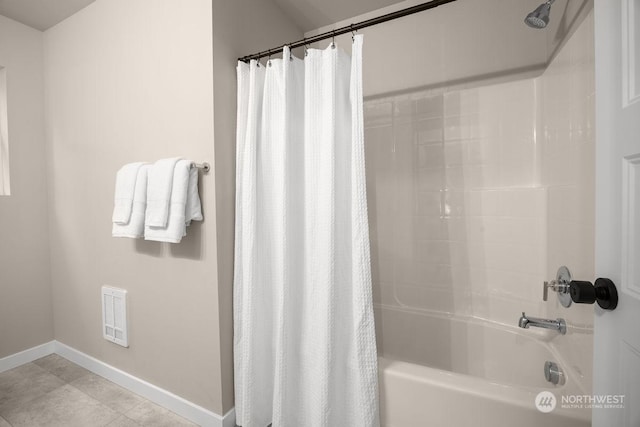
131 81
464 42
136 81
25 304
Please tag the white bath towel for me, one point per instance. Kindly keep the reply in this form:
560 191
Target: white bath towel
194 208
135 227
125 187
184 206
159 189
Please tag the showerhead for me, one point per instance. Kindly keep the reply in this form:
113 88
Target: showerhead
539 18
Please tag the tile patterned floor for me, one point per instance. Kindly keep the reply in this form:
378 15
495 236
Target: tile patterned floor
55 392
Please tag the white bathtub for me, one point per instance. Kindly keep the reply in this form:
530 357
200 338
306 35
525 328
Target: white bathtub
438 370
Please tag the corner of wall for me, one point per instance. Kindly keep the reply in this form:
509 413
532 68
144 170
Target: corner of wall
132 81
25 308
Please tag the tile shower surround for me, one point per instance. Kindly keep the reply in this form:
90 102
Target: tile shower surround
457 216
478 194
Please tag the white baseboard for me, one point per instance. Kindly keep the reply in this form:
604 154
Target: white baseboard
26 356
164 398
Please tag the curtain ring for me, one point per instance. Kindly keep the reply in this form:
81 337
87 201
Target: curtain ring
306 47
258 59
282 47
333 40
353 33
269 60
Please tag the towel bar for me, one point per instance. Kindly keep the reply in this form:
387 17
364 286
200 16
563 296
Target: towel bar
206 167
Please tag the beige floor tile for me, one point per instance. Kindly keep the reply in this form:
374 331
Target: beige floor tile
26 370
108 393
65 406
152 415
61 367
122 421
23 384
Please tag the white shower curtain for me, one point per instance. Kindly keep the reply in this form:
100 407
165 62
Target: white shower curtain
304 339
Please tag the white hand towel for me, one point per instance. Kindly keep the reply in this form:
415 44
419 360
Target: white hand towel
125 185
176 227
194 208
159 189
135 227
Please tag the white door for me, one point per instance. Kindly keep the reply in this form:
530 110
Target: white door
617 333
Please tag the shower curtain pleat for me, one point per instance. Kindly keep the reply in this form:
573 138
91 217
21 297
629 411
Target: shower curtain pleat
304 340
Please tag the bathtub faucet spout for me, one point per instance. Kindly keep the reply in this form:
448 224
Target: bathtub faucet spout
559 324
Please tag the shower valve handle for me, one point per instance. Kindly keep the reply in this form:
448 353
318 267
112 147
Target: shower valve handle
555 286
560 285
545 289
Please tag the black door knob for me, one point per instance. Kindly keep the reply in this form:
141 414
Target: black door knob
582 292
604 292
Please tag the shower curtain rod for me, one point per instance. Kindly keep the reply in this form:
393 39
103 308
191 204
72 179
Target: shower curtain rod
349 28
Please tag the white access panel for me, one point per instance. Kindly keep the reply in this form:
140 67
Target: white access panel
114 315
